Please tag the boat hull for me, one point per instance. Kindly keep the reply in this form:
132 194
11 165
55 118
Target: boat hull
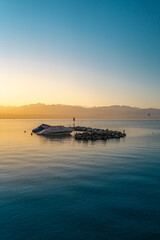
56 131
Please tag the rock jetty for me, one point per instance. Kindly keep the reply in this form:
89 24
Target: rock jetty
96 134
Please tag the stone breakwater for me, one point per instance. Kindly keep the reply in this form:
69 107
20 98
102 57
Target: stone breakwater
97 134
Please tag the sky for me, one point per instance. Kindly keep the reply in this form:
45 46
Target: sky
80 52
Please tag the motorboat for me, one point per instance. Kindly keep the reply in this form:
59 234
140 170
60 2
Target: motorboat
40 128
56 130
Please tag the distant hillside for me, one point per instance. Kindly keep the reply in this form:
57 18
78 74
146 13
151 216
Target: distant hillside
59 111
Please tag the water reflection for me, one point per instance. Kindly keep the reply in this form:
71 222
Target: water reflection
59 138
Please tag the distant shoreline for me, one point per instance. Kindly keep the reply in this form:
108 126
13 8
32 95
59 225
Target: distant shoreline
57 111
81 119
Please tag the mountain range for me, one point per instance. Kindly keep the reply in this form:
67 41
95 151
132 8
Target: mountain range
58 111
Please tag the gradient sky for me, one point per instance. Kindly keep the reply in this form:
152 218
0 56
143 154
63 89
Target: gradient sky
80 52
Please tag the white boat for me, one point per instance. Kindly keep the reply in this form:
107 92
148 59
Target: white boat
56 130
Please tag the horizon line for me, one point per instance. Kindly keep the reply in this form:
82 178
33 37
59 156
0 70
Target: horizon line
115 105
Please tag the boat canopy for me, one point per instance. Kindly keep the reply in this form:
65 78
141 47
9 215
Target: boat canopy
40 128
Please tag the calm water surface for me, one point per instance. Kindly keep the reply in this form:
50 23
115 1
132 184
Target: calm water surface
58 188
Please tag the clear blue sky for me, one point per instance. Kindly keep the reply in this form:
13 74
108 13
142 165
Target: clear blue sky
80 52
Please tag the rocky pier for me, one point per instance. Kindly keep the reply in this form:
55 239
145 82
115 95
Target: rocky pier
94 134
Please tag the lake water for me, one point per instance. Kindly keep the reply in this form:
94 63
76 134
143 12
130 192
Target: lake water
62 189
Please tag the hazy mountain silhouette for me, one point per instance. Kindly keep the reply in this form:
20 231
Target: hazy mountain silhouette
59 111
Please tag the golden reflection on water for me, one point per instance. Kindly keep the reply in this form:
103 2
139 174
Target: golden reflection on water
13 131
23 152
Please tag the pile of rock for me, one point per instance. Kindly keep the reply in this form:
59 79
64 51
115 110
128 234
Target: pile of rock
78 128
98 134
